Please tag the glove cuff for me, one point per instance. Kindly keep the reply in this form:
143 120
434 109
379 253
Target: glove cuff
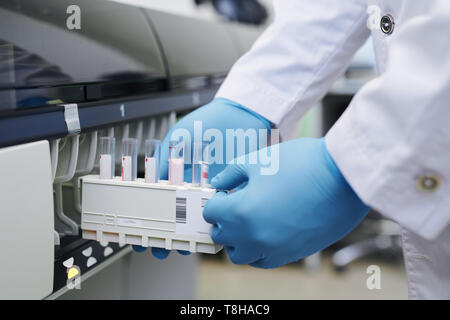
335 169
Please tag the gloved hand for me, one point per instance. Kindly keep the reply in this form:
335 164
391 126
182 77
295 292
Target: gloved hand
220 114
272 220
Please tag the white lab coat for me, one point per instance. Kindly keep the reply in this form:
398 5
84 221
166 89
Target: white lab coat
395 133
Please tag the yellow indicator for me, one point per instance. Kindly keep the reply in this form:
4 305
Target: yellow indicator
57 101
72 273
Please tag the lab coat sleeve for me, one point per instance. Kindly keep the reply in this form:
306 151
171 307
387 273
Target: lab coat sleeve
295 61
397 129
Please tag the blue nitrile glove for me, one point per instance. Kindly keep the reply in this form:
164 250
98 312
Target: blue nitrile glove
220 114
158 253
272 220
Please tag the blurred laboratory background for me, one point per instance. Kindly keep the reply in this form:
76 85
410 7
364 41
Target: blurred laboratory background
169 56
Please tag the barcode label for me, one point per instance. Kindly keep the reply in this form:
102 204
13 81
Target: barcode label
181 210
189 212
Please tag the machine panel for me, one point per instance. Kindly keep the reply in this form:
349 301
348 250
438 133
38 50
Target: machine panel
42 59
26 222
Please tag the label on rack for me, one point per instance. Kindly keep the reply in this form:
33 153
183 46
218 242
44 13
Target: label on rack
127 222
189 212
150 170
127 168
105 166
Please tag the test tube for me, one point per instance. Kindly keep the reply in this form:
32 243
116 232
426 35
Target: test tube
107 157
129 159
152 150
204 182
176 162
200 167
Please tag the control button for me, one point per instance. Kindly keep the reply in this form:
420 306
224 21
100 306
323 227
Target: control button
107 251
91 261
428 182
68 263
387 24
104 243
87 252
73 272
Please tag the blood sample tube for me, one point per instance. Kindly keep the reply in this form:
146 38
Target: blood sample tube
129 159
152 150
200 167
107 157
176 162
204 182
196 163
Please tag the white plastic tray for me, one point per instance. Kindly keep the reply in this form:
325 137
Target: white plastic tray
146 214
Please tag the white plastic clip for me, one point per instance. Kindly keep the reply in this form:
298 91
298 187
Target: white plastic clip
144 242
72 119
192 246
168 244
99 236
122 239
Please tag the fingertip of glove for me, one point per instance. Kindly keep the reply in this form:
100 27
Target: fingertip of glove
215 182
160 253
218 182
138 249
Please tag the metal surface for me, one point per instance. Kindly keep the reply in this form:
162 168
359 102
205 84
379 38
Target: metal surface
49 123
194 46
45 52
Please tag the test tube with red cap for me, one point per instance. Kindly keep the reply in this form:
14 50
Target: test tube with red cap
176 162
200 167
129 159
